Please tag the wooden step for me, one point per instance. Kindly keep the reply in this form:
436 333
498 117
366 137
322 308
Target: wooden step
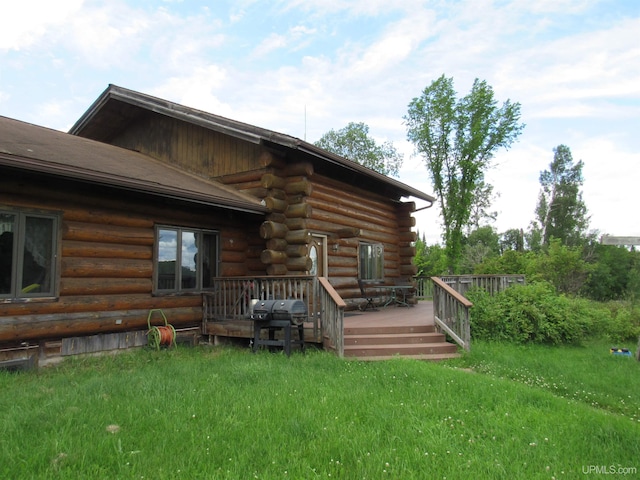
431 358
399 349
389 329
394 338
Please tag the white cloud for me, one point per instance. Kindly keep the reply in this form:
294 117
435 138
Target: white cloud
611 178
24 22
577 75
556 6
198 90
293 39
395 45
568 74
272 42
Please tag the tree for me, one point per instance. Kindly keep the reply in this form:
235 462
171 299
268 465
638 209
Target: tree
458 139
482 199
481 244
353 142
512 239
564 267
613 269
560 212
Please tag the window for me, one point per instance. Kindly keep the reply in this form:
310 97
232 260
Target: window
28 248
186 259
371 258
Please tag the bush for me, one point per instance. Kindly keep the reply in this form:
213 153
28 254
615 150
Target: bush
532 313
623 322
535 313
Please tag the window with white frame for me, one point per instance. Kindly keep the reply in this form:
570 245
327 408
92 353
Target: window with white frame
28 252
371 261
186 259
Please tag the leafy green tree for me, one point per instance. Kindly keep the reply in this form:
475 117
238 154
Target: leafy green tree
483 198
354 143
479 245
564 267
510 262
430 260
458 138
613 273
512 239
484 236
561 213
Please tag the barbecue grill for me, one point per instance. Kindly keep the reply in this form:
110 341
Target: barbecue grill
278 315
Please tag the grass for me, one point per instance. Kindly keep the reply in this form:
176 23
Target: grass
226 413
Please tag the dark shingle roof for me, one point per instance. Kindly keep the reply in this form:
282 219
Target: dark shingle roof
29 147
116 105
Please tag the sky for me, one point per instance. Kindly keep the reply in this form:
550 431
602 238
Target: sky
304 67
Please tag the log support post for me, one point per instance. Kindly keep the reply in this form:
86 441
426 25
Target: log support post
285 230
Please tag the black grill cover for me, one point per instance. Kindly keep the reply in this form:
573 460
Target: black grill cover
293 310
262 310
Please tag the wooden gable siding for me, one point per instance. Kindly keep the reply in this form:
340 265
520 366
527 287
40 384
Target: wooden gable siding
190 147
106 261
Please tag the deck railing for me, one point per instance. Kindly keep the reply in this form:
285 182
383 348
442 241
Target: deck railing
424 287
491 283
451 313
233 299
332 315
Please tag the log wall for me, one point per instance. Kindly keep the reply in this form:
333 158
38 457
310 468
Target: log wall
301 202
349 216
106 262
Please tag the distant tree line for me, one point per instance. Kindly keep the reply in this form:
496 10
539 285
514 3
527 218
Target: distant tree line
562 260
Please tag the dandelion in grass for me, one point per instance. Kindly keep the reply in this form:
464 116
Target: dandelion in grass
113 428
59 458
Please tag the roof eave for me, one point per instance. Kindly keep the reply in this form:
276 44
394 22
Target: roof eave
149 188
405 189
237 129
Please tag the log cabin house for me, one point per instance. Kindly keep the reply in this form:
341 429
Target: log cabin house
148 205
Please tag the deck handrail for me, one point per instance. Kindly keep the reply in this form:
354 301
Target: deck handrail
451 312
332 314
491 283
233 297
424 287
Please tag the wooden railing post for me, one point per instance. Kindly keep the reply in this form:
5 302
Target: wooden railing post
451 313
332 306
452 309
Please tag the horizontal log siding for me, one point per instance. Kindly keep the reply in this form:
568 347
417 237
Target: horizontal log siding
336 206
190 147
106 264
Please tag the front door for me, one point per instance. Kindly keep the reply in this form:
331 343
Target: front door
318 255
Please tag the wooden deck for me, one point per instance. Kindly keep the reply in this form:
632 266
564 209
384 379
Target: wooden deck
395 332
379 334
420 314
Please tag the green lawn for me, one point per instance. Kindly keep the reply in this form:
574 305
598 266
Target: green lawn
501 412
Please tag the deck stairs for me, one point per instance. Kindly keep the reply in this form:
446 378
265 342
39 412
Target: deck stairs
379 342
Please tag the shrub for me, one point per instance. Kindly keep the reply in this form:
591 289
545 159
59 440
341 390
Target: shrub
532 313
623 322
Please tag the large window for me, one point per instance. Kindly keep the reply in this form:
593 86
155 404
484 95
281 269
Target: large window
371 259
28 247
186 259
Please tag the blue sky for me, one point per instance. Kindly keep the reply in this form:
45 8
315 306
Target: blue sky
303 67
